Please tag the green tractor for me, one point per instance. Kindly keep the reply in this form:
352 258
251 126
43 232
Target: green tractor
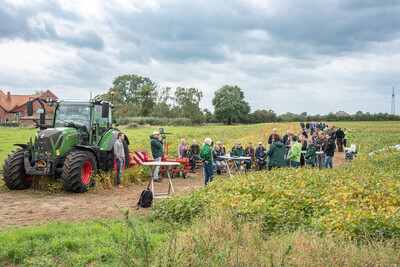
77 145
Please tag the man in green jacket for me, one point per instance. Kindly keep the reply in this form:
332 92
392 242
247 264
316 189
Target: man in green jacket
310 154
295 153
157 151
239 152
206 158
276 153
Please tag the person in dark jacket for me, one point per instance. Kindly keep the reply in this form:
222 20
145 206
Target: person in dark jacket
286 142
274 131
320 145
195 156
235 145
310 153
250 153
261 154
157 151
276 153
303 142
218 163
329 151
339 139
303 127
239 152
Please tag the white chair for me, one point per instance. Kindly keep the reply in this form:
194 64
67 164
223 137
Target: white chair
350 150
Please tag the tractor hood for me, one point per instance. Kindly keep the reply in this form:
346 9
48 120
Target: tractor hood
52 140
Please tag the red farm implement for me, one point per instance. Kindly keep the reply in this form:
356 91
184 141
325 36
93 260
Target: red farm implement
141 156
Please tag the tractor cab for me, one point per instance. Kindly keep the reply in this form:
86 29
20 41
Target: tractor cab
92 119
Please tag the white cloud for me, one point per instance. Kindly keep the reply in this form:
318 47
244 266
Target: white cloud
286 56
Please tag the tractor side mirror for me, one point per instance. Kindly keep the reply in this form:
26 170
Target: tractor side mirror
29 108
105 110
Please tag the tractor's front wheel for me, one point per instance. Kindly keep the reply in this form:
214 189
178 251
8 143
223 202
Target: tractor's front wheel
14 171
79 171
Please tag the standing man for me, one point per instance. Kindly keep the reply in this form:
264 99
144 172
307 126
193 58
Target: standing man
321 144
276 153
346 137
157 151
275 131
195 155
329 151
119 153
206 158
339 139
181 148
286 142
295 153
261 154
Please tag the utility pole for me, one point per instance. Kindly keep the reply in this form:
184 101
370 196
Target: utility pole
393 103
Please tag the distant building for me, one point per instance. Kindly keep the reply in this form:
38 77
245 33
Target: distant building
13 107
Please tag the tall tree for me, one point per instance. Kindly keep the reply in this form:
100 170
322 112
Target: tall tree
130 85
162 107
147 98
229 104
187 101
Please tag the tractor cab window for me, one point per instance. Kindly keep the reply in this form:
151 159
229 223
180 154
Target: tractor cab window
101 123
74 114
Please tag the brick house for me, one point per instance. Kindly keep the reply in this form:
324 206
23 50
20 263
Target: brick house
13 107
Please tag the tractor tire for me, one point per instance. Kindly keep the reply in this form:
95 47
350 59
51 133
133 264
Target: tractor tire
14 171
184 174
78 172
110 158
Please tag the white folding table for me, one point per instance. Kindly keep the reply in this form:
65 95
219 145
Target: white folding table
152 166
226 158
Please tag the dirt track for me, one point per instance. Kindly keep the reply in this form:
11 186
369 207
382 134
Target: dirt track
22 208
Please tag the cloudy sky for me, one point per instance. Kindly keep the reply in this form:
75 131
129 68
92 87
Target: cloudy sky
288 56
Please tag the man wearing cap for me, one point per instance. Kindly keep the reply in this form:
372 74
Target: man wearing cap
157 151
261 154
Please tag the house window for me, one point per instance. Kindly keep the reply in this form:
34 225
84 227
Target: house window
7 119
16 113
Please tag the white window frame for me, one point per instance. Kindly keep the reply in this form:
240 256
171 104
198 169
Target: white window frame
7 119
17 113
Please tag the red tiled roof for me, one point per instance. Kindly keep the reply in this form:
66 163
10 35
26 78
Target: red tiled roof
17 101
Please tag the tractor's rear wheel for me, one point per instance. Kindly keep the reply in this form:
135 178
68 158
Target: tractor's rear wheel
14 171
78 172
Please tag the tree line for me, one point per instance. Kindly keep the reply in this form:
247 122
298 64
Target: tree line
137 96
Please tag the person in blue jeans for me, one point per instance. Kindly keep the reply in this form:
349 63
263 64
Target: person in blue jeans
206 158
329 151
119 153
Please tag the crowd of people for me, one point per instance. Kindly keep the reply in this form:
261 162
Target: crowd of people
313 146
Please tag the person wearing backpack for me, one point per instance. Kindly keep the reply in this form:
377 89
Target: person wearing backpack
329 151
206 158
